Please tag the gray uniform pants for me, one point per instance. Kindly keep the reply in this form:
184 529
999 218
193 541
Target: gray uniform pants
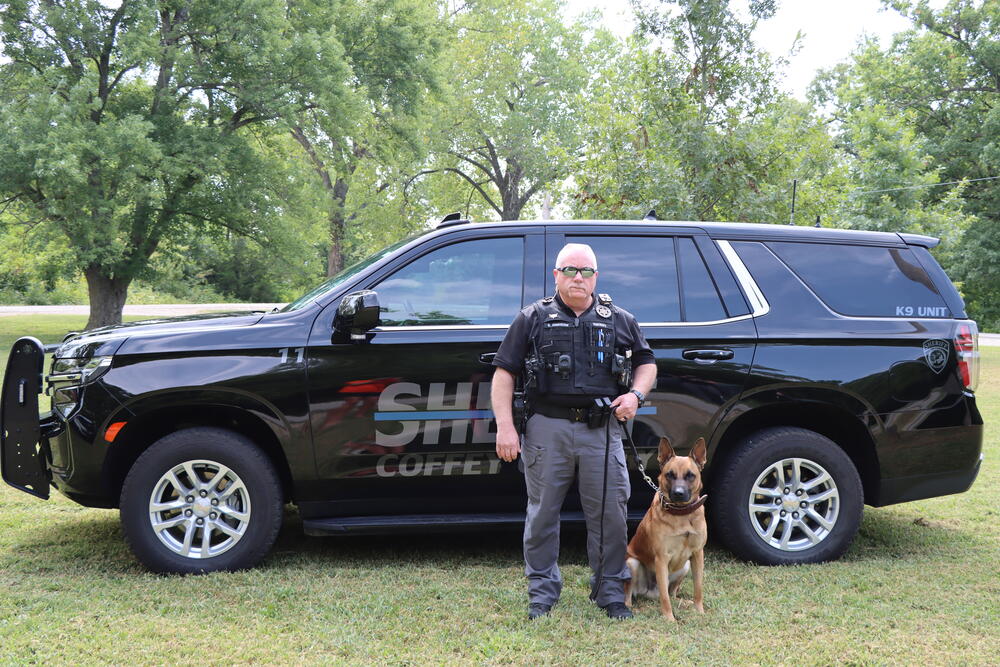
555 452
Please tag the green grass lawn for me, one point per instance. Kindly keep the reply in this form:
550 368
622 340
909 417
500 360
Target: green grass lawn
920 585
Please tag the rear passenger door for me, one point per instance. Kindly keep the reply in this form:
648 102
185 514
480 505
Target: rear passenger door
696 320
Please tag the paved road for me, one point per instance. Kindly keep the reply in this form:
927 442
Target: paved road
989 339
178 309
156 310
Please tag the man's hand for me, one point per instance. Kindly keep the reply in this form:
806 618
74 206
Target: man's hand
625 406
508 443
501 393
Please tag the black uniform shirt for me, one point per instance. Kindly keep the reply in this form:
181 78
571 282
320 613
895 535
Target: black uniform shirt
516 344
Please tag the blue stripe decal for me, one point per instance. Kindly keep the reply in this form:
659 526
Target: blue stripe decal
430 415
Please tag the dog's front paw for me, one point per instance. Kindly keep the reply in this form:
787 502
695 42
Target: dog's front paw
699 607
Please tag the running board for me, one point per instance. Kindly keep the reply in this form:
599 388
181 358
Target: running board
394 523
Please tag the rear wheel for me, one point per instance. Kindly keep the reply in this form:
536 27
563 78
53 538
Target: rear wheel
787 496
200 500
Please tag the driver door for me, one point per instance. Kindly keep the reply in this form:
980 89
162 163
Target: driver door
402 423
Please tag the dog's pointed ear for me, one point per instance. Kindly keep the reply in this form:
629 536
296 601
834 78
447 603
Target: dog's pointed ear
699 453
666 451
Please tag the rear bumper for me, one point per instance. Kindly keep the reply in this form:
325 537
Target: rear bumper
917 487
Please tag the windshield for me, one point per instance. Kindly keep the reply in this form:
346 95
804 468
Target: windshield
345 275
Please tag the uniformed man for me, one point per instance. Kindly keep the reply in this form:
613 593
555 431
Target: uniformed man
572 348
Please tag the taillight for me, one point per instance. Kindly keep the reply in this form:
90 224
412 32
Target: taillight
967 352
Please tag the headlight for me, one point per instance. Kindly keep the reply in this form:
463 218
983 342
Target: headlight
79 371
68 375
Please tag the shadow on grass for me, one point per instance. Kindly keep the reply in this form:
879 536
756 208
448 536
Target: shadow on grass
85 546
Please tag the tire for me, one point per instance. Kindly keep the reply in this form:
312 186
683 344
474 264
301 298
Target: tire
815 521
215 496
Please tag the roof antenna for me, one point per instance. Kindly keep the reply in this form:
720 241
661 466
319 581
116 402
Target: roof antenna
817 220
791 218
651 215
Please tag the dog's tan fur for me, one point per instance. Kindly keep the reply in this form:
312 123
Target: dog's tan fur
665 543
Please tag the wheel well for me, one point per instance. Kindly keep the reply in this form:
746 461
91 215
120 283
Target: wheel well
845 429
141 432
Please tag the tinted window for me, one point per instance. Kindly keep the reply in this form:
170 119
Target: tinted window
861 280
701 298
473 282
639 272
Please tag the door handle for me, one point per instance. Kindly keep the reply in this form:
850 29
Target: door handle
487 358
708 355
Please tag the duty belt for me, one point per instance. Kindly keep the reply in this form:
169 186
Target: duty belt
564 412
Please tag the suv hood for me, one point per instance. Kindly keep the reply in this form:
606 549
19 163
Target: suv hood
107 340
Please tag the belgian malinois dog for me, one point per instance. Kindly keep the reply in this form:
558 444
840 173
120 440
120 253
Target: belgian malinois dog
671 538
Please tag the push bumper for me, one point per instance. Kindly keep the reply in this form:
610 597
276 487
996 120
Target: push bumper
23 435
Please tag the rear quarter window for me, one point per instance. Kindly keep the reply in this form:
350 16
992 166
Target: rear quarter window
864 280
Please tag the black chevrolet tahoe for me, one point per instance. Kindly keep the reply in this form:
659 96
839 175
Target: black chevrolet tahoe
827 369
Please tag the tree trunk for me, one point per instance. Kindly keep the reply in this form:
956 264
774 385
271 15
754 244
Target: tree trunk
338 198
334 258
107 297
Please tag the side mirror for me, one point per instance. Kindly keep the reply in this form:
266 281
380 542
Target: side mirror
357 314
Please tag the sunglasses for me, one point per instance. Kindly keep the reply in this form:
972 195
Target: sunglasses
570 271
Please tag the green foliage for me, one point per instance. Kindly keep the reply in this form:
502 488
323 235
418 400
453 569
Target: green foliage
689 120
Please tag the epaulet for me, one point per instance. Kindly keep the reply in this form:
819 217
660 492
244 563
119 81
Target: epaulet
547 300
604 299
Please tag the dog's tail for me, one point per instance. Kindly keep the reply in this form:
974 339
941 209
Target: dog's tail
644 579
679 574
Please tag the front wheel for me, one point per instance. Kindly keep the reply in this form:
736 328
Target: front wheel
787 496
201 500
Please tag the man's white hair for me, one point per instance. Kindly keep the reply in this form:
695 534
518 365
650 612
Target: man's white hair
570 248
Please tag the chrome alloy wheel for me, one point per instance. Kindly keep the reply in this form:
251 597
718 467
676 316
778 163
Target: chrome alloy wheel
199 509
794 504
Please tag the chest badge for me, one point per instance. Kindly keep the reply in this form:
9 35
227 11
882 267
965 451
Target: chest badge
936 353
603 311
552 316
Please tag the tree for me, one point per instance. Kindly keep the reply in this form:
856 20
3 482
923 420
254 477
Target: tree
510 125
121 125
393 47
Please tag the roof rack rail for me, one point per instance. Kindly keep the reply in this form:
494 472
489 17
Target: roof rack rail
451 219
651 215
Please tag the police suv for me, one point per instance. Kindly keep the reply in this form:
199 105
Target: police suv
827 369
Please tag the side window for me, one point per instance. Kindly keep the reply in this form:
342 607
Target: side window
864 280
470 282
639 272
701 298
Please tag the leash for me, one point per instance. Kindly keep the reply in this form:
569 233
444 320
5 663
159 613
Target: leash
599 579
